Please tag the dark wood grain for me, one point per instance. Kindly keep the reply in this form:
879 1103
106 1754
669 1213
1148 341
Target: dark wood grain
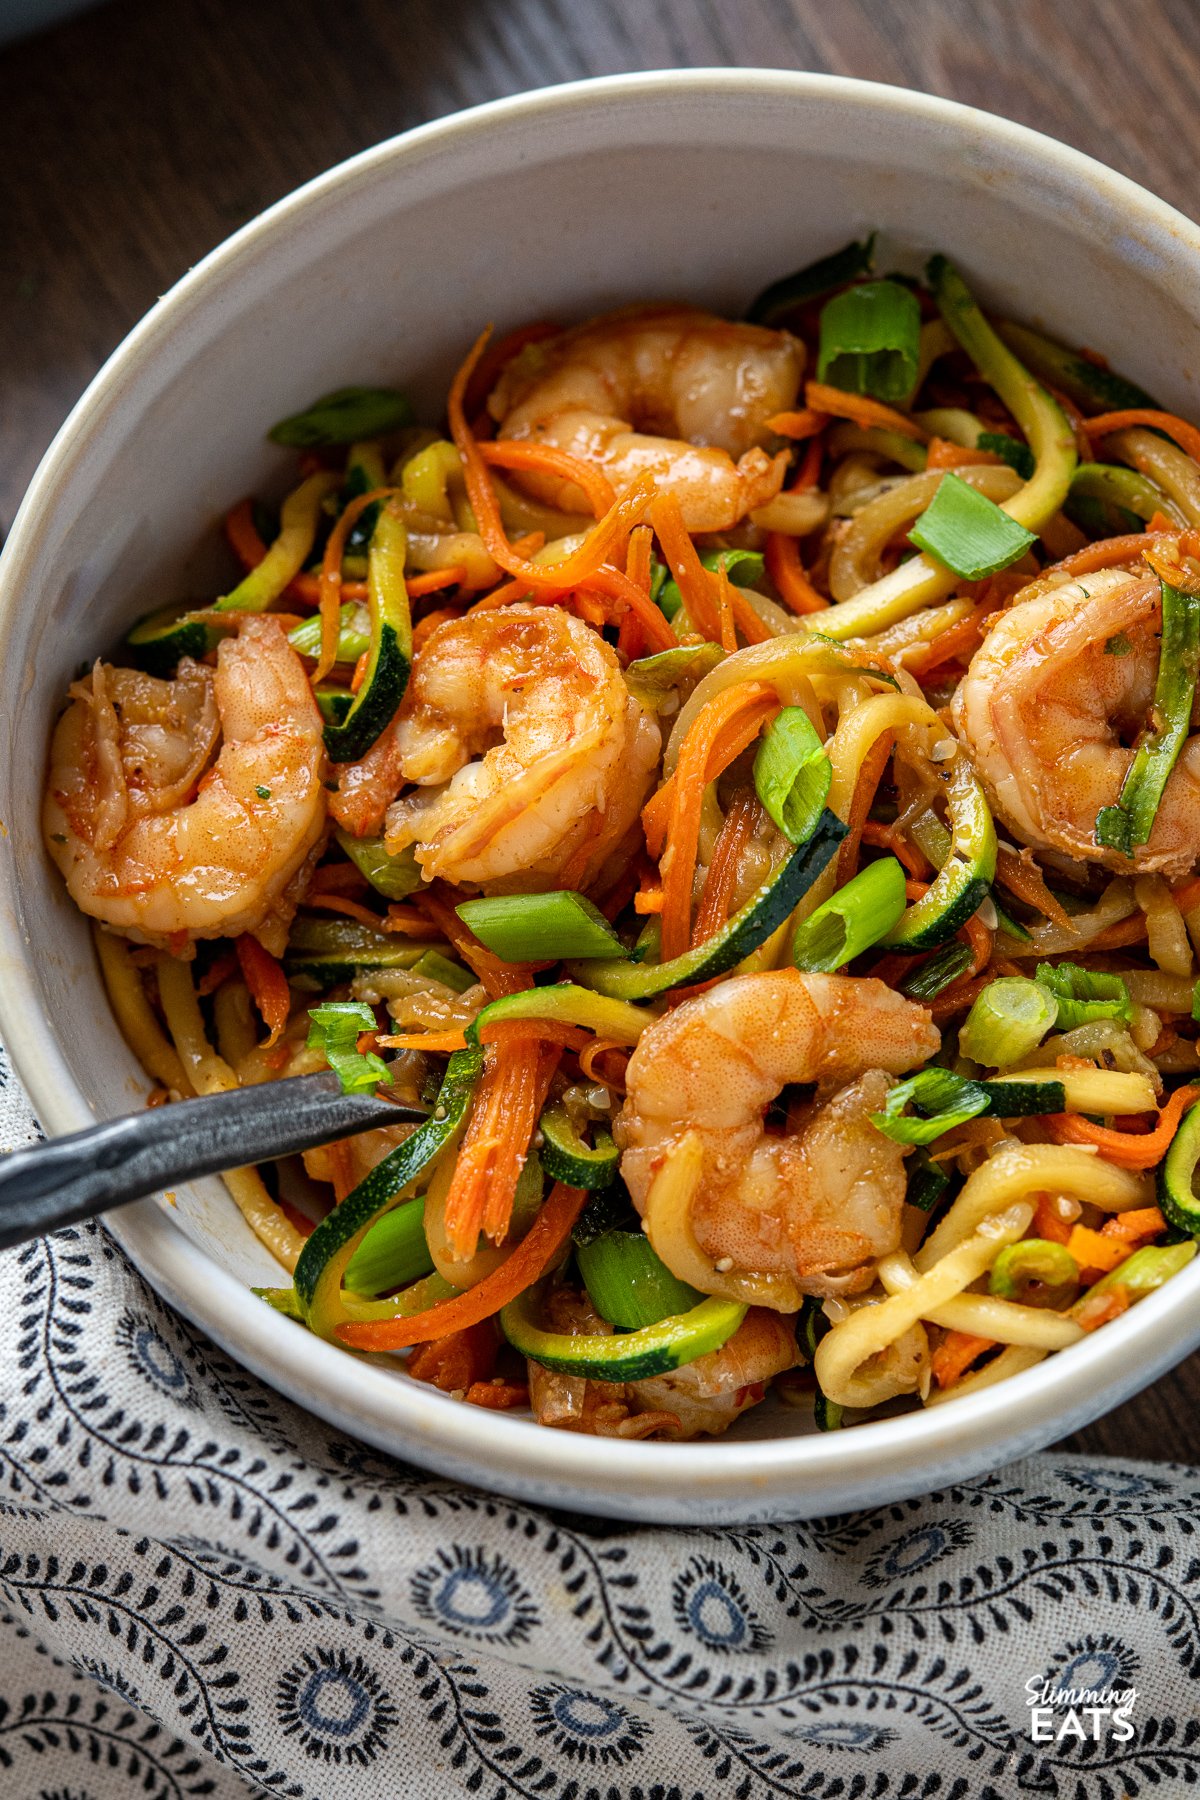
135 138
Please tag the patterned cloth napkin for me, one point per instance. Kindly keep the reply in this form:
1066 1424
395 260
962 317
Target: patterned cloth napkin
205 1591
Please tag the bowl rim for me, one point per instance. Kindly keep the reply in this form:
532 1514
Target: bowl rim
778 1477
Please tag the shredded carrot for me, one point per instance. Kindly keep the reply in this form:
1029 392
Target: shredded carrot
958 997
492 365
887 837
1092 1250
1128 1149
425 628
955 1354
1101 1309
655 629
786 570
945 455
217 974
1118 936
721 880
1048 1222
341 903
809 472
437 1043
742 725
458 1361
504 1113
430 582
1140 1222
1107 552
546 459
338 878
360 671
1185 435
267 983
959 640
745 618
601 542
407 921
1024 879
648 900
697 586
536 1252
869 776
980 939
630 638
498 1395
861 409
746 707
331 577
804 424
724 590
498 977
610 1051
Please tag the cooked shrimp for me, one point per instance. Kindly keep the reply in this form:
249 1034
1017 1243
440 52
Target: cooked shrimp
572 1402
530 755
151 839
707 1395
669 390
816 1205
1051 706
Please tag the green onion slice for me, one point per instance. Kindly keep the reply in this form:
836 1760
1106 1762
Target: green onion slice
1082 995
335 1028
393 876
968 532
943 1098
541 927
1147 1269
1008 1020
436 967
629 1284
851 920
1033 1259
792 774
342 417
354 634
927 1181
1130 822
871 341
933 976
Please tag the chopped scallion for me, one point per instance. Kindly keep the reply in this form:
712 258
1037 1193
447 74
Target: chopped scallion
927 1181
930 978
1033 1259
393 1253
1083 995
782 299
1008 1020
744 567
629 1283
343 417
871 341
437 967
851 920
792 774
393 876
541 927
968 532
335 1028
945 1100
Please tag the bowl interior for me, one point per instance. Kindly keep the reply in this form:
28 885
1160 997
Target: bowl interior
702 188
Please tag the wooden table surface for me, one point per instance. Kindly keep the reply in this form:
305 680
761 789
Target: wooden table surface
138 136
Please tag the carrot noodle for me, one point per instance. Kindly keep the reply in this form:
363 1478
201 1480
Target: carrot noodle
1128 1149
1109 551
958 640
809 472
1048 1222
1094 1252
886 837
512 1090
499 354
339 878
870 774
248 547
946 455
217 974
959 997
721 880
612 1052
536 1253
761 703
697 586
746 708
544 458
498 1395
745 618
331 577
600 543
980 938
648 900
955 1354
360 671
424 629
268 985
862 410
1142 1221
352 909
631 640
783 565
458 1361
1185 435
407 921
655 629
805 424
1119 936
1023 878
431 582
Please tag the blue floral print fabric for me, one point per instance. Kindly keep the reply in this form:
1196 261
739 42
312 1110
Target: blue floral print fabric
205 1591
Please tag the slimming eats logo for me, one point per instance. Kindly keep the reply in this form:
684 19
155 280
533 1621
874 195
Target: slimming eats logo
1058 1714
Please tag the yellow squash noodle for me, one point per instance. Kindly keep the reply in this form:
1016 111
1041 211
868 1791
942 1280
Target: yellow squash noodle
668 1225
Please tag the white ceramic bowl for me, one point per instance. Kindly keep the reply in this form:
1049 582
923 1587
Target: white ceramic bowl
699 185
